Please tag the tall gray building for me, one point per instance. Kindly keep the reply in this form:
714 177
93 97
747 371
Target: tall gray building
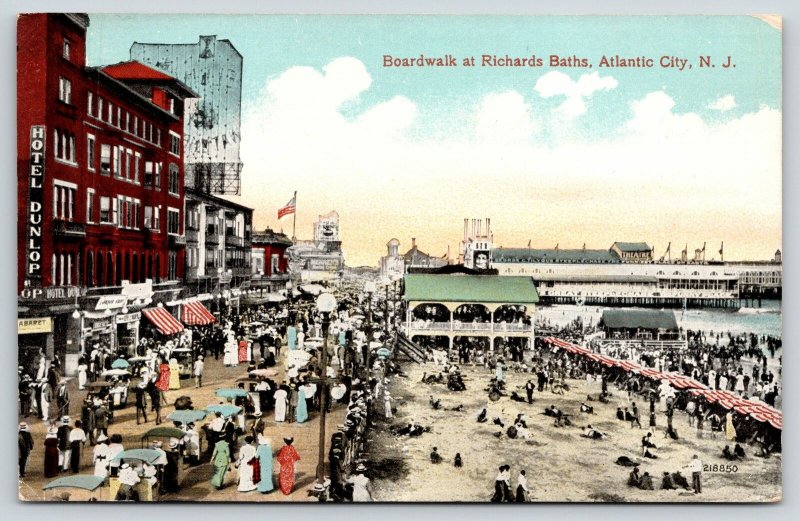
218 232
212 132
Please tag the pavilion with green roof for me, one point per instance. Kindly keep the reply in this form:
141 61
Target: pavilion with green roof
489 293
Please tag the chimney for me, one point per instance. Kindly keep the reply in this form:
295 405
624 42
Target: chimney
413 243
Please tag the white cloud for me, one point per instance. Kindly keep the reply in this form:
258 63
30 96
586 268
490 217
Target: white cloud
504 117
657 176
723 104
556 83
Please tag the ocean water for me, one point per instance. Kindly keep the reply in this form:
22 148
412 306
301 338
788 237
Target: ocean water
767 320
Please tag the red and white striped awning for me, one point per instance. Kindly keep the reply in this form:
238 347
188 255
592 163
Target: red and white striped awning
195 314
163 320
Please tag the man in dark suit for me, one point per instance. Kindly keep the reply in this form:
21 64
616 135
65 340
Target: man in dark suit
25 447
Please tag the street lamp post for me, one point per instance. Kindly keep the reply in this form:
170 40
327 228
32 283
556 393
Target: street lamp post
326 303
369 288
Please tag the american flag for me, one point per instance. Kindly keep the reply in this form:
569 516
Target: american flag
288 208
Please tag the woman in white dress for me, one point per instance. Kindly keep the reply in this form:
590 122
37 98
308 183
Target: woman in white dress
101 456
362 489
280 405
246 454
82 374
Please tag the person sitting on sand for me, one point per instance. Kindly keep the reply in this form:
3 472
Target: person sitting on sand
727 454
620 414
516 397
679 480
435 457
646 482
587 408
738 451
592 433
666 482
634 478
647 442
457 460
482 416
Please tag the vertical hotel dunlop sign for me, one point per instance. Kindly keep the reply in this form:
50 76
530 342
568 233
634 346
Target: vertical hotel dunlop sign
33 268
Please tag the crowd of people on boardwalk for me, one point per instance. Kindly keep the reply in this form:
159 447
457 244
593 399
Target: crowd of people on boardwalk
234 440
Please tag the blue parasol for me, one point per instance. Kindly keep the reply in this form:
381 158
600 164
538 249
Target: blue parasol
85 482
187 416
120 363
231 393
227 410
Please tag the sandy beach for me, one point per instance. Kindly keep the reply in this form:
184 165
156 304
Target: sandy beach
561 465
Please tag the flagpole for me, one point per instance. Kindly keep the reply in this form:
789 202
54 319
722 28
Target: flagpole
294 219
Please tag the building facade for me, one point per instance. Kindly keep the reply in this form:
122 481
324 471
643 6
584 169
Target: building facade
100 189
604 277
269 263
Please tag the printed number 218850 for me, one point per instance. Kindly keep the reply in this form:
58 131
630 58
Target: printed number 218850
720 468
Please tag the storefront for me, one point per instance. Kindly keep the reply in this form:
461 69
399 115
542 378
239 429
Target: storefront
128 331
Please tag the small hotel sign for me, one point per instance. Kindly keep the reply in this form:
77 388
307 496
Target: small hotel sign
33 268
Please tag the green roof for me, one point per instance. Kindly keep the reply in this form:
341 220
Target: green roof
639 319
470 288
633 246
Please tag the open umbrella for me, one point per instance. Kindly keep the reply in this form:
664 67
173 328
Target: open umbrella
163 432
116 372
120 363
146 455
225 409
265 373
187 415
231 393
384 353
82 481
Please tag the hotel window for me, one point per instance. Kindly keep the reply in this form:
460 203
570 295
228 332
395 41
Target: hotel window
63 200
99 114
172 269
152 174
174 179
173 221
128 160
64 148
174 144
119 117
127 121
116 166
65 90
137 160
135 125
105 159
66 49
90 103
90 141
110 113
105 210
89 205
152 218
158 137
114 211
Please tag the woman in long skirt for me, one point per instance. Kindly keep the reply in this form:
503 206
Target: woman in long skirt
247 474
730 430
287 458
242 352
264 454
301 412
51 456
83 370
220 459
280 405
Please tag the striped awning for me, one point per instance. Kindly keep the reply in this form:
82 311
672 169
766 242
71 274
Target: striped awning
163 320
195 314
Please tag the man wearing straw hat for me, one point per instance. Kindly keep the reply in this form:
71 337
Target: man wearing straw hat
25 447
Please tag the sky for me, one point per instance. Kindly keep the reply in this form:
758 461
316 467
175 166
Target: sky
552 154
